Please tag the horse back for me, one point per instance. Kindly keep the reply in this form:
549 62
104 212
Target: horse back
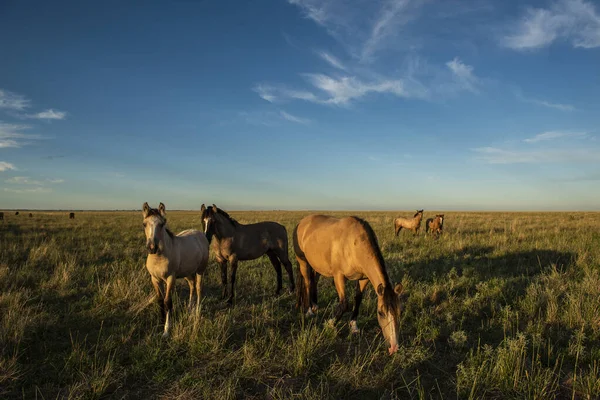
192 250
332 245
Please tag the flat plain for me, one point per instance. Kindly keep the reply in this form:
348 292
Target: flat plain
502 305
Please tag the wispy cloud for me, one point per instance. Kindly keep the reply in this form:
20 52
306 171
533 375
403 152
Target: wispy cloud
463 75
6 166
576 21
333 61
493 155
545 136
17 104
271 118
55 181
293 118
23 180
278 93
49 115
11 135
13 101
392 15
29 190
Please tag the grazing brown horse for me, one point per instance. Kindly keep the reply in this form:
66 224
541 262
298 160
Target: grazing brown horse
414 223
345 248
435 225
235 242
170 256
71 215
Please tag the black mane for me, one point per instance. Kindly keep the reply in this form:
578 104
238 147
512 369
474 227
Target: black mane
375 245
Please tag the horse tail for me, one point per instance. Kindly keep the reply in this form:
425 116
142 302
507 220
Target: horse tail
300 287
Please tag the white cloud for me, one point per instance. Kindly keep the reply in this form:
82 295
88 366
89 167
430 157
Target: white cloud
5 166
49 114
541 137
55 180
293 118
493 155
392 15
23 180
29 190
342 91
13 101
333 61
274 94
11 135
575 21
463 74
271 118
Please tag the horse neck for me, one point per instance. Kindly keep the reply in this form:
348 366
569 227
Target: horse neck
418 218
376 273
225 228
169 243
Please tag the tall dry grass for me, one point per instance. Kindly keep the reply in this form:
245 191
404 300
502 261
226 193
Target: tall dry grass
503 305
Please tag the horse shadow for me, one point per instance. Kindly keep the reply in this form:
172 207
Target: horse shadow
480 262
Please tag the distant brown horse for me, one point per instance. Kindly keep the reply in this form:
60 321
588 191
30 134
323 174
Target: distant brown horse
235 242
17 213
170 256
30 215
345 248
71 215
435 225
1 216
414 223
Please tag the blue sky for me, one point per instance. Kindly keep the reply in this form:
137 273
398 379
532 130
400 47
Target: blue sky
300 104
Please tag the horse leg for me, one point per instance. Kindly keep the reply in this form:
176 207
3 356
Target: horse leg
314 281
398 229
191 280
277 266
304 289
198 291
233 261
360 288
340 287
283 257
168 304
223 264
159 298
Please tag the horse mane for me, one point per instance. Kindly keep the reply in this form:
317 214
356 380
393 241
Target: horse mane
229 217
375 245
171 235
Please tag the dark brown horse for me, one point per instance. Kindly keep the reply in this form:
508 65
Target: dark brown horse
435 225
345 248
30 215
414 223
17 213
1 216
71 215
233 242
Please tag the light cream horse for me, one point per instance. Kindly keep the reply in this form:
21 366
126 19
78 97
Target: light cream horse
413 223
170 256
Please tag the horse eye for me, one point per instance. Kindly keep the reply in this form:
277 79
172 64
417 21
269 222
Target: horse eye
144 224
381 313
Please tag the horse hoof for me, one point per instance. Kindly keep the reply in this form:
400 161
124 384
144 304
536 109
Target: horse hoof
330 323
354 328
165 335
310 313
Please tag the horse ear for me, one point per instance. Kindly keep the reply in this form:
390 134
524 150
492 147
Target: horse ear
145 209
398 288
215 208
380 289
161 209
203 208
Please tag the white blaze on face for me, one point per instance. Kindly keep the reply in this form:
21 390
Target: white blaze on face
205 225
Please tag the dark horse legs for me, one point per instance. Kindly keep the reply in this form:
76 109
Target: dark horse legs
278 258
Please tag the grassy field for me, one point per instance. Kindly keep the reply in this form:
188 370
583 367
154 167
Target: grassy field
503 305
